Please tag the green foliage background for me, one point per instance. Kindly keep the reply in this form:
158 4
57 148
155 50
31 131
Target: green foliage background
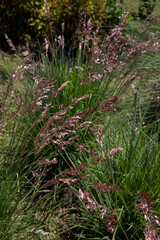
28 19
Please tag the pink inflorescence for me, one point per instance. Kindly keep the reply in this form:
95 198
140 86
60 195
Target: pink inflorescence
152 228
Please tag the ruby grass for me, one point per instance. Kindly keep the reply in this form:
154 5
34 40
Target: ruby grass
64 126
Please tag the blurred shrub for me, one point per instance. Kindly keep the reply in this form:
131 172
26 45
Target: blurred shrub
113 12
30 19
12 18
22 19
146 8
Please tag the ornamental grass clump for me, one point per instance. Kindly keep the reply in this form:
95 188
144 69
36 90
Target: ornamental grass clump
64 122
109 204
36 117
